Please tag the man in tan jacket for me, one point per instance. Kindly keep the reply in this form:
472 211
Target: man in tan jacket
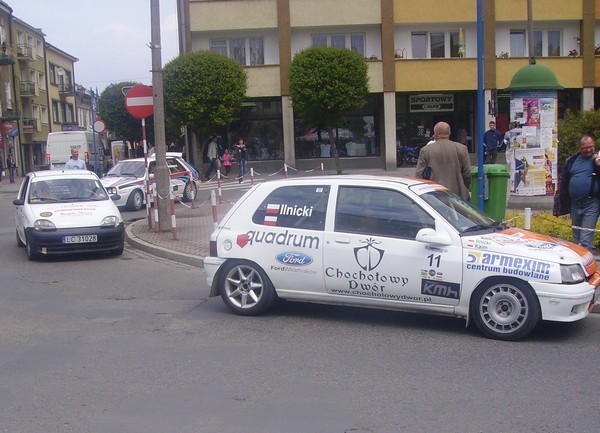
447 160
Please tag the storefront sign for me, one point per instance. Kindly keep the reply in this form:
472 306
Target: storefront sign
431 102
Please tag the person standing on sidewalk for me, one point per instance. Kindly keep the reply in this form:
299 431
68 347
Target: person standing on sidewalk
492 140
226 158
11 164
241 154
447 160
213 156
579 191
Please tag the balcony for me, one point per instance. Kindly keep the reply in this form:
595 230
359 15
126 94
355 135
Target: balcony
28 89
6 58
30 125
25 52
65 89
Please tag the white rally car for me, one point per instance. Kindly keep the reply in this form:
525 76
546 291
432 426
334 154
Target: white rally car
66 212
394 243
126 179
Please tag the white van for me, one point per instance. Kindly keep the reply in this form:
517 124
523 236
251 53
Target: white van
59 145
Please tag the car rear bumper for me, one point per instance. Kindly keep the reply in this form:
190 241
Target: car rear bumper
51 242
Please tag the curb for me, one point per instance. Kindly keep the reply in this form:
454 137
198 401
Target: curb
160 251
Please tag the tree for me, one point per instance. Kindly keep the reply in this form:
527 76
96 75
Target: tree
203 90
572 127
326 83
112 110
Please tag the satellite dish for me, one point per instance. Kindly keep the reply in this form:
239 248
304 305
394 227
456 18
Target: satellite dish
60 72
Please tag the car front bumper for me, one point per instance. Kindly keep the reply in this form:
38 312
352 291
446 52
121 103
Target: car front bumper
567 304
51 242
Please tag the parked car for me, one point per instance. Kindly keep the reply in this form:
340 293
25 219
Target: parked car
126 179
394 243
66 211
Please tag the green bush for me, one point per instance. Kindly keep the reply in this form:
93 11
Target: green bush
547 224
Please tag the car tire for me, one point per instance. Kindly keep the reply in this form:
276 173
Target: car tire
245 288
505 309
190 191
136 200
31 254
20 243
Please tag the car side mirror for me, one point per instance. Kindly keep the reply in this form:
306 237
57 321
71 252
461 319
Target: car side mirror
430 236
18 202
115 197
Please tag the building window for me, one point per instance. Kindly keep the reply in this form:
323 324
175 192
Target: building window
355 42
517 43
55 118
437 44
245 51
53 74
44 115
42 81
546 43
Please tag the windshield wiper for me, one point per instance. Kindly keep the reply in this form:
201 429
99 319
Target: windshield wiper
475 228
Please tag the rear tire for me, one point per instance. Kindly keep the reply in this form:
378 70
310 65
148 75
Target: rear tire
136 200
190 192
505 309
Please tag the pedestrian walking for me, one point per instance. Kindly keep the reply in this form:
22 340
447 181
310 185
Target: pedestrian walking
446 161
226 159
241 154
492 140
11 164
579 191
213 157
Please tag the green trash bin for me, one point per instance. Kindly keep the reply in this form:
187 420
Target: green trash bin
494 190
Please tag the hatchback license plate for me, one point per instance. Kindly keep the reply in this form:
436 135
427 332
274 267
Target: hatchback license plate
80 239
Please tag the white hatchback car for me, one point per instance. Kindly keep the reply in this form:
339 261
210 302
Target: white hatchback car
394 243
66 211
126 179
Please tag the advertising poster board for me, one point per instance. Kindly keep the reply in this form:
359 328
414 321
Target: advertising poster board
532 150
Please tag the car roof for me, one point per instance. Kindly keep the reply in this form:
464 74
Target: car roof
153 157
62 174
358 179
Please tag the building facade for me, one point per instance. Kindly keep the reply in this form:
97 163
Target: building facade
422 58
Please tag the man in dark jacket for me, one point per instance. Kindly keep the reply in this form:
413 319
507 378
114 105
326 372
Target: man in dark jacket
579 191
492 140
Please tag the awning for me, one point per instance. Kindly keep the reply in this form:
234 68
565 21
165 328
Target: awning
13 132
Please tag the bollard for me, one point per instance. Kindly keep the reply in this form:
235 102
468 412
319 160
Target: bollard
173 219
194 204
285 170
219 185
156 221
251 176
213 202
322 172
527 223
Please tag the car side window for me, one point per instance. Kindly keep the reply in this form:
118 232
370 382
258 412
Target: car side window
379 212
300 207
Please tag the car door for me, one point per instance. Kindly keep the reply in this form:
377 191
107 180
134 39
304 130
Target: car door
372 252
20 214
178 174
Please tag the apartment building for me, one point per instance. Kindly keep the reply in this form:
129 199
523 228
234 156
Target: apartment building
422 59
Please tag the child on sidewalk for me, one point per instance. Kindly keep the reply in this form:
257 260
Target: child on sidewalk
226 159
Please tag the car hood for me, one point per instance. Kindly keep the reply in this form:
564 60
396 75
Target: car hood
121 181
523 243
75 214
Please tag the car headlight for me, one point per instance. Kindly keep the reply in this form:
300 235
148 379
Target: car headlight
111 190
109 221
44 225
572 274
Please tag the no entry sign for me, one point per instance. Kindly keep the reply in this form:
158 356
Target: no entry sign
139 101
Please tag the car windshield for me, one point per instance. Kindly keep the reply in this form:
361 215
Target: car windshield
128 168
66 190
463 216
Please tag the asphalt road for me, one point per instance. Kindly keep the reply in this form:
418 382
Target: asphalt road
132 344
